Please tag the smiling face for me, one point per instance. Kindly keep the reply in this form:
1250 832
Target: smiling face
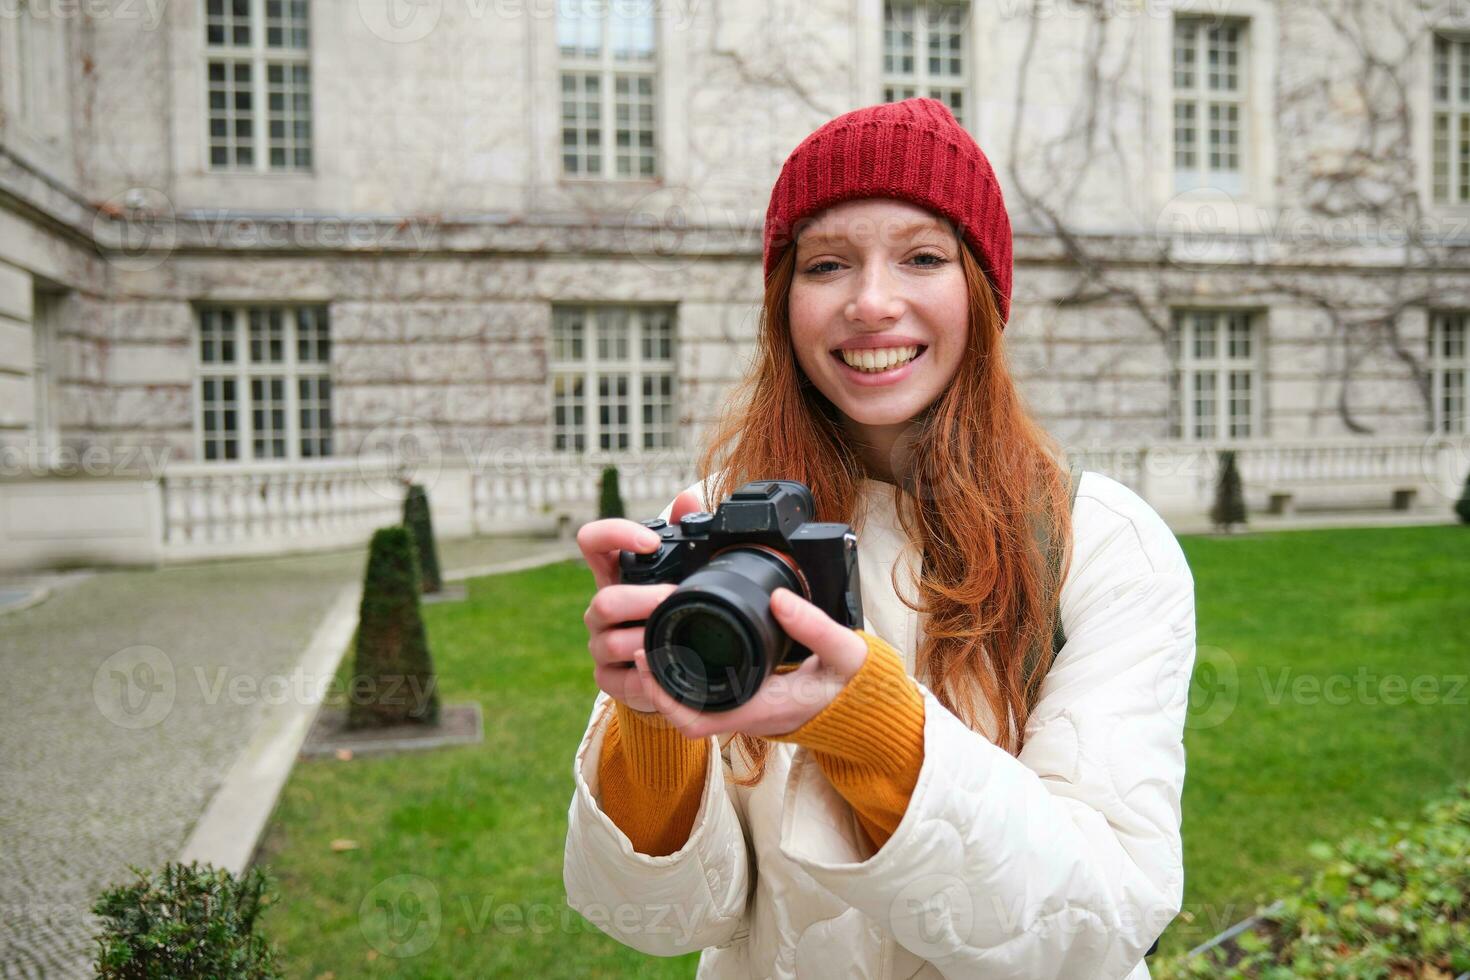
879 309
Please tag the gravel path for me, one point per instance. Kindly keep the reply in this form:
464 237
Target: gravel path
127 695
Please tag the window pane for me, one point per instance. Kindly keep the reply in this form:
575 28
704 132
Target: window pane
217 337
567 332
631 31
231 114
286 24
313 344
658 411
1185 31
1224 137
219 418
1204 404
1453 331
578 28
1453 401
267 336
612 412
581 123
288 99
1441 156
268 418
633 104
1176 407
1240 336
1205 342
1186 139
1222 42
568 408
898 38
612 335
1240 404
658 337
226 22
946 46
314 407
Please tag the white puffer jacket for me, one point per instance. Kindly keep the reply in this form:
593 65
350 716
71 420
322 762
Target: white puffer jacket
1064 863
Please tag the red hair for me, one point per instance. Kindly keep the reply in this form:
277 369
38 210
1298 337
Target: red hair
983 480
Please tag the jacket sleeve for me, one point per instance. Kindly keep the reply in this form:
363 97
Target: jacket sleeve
664 906
1065 862
676 903
869 742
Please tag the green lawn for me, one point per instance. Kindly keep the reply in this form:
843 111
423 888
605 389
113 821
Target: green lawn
459 851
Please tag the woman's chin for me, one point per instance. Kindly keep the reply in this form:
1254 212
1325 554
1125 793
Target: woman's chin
879 412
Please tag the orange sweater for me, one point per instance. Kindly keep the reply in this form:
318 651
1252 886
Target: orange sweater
869 742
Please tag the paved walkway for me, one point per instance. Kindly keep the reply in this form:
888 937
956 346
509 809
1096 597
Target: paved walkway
128 695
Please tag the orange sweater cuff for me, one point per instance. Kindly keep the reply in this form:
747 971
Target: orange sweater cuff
652 779
876 722
659 757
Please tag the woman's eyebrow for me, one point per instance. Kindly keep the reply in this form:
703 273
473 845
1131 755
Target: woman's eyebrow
910 229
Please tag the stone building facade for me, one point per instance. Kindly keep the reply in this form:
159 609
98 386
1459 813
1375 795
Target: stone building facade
271 231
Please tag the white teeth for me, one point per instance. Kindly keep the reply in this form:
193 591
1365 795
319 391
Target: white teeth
880 358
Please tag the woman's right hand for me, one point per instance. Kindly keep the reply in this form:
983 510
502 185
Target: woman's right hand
611 642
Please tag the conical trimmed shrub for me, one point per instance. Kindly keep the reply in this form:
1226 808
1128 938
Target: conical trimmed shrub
611 503
1229 506
392 675
421 526
1462 506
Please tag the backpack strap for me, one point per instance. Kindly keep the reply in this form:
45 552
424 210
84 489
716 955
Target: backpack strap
1054 566
1058 635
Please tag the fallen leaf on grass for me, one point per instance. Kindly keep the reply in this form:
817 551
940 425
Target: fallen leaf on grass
344 844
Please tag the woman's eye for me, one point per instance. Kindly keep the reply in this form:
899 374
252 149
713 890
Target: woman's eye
929 259
821 267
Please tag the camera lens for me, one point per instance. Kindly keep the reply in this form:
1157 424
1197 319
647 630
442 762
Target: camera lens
712 643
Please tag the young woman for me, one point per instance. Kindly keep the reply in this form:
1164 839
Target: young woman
933 795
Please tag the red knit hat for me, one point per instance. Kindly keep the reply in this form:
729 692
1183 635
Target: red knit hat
913 150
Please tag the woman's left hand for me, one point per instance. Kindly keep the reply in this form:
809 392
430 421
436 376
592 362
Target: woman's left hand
785 701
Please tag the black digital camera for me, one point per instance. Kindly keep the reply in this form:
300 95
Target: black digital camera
714 641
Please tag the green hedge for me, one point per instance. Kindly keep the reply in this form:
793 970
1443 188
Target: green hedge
1394 902
185 922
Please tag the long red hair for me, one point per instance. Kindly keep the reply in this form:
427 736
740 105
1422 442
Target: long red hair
982 479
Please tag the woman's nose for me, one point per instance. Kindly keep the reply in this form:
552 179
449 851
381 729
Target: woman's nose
877 300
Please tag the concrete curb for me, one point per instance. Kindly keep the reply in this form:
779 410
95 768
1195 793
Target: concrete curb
229 830
548 557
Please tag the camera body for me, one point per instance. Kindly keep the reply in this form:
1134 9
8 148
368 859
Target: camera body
713 642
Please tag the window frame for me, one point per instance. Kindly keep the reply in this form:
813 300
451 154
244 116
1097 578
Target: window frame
606 66
243 370
1441 365
1201 97
260 57
1457 109
1185 365
592 367
892 83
